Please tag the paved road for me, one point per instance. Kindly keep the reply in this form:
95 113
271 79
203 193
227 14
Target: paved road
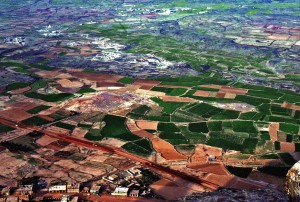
115 150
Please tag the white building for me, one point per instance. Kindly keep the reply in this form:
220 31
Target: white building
58 188
120 191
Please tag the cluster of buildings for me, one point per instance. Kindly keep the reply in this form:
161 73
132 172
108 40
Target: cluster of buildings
122 183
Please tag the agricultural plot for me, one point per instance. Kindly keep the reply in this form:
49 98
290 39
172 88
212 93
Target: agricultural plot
140 147
214 125
4 128
64 125
38 109
94 135
227 114
35 121
49 97
115 127
141 110
204 109
289 128
200 127
169 107
244 126
167 127
126 80
86 90
173 138
16 86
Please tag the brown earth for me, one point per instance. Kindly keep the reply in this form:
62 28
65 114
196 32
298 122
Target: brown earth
24 105
166 149
66 83
168 189
176 99
143 133
48 118
238 91
20 90
96 77
15 114
273 129
78 132
145 82
202 152
230 95
45 140
290 106
147 125
109 84
216 168
202 93
283 37
287 146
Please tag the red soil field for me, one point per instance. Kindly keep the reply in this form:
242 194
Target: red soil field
273 128
220 95
24 105
109 84
147 125
168 189
238 91
15 114
166 149
96 77
202 93
48 118
146 87
143 133
145 82
20 91
67 90
216 168
202 152
176 99
290 106
287 146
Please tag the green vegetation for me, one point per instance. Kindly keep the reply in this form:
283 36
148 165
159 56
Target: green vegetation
167 127
86 90
65 125
115 127
141 147
126 80
287 158
38 84
177 92
214 125
35 121
38 109
173 138
94 135
289 128
49 97
142 110
4 128
244 126
198 127
15 86
249 145
169 107
204 110
268 156
239 171
228 114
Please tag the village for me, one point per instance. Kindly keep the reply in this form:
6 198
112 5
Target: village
125 183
